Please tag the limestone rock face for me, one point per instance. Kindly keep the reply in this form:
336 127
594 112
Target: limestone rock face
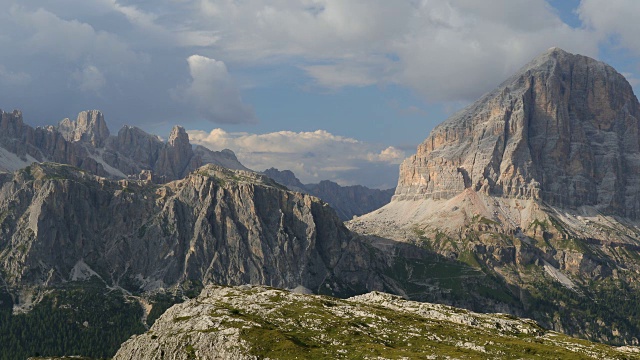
175 158
348 201
86 143
215 226
286 178
90 127
225 158
564 130
20 145
536 183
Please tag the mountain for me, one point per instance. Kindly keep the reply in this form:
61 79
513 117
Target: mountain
87 143
563 130
62 224
216 225
96 260
490 215
536 183
258 322
348 201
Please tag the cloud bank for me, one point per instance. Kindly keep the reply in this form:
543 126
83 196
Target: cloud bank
312 156
125 56
213 92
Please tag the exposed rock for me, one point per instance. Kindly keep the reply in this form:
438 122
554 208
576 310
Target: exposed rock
286 178
225 158
89 127
258 322
175 159
214 226
40 144
348 201
538 184
86 143
564 130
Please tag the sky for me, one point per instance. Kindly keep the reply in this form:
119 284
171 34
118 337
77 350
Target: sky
331 89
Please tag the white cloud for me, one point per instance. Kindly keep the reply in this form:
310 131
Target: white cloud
42 32
391 155
89 78
446 50
619 18
312 156
336 76
213 92
459 49
129 54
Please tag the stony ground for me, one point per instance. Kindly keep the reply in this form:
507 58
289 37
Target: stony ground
255 322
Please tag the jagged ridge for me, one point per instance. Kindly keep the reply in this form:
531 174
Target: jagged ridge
86 143
216 226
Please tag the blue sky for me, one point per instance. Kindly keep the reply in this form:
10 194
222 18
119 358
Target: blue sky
331 89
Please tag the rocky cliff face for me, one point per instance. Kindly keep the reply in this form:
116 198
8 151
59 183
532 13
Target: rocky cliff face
89 127
564 130
220 226
215 226
348 201
86 143
537 184
70 239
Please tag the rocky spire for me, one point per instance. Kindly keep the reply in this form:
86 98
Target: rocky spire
175 158
89 127
178 137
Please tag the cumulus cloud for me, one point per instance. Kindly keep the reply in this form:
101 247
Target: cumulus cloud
213 92
613 18
446 50
89 78
42 32
312 156
391 155
461 49
128 56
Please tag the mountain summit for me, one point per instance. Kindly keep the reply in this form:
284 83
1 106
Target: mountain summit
564 130
538 184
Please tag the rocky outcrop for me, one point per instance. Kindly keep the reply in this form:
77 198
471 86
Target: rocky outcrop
225 158
563 130
86 143
21 145
348 201
215 226
89 127
258 322
286 178
175 159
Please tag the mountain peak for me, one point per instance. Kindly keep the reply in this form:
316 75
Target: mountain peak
178 136
555 51
89 126
564 130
